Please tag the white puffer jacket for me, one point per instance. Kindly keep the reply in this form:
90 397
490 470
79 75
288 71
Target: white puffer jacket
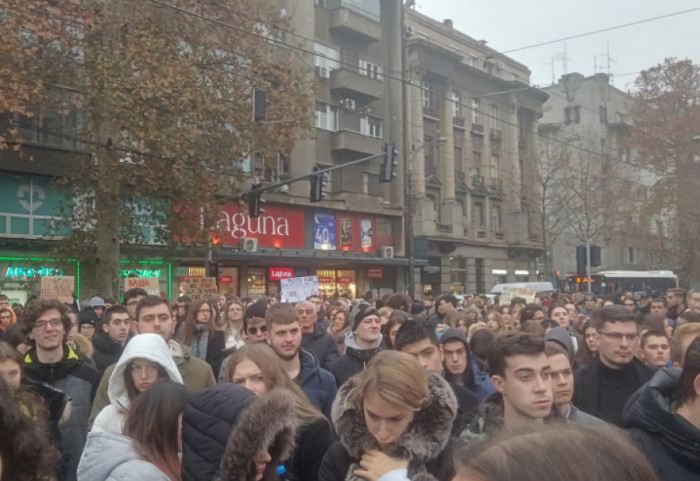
143 346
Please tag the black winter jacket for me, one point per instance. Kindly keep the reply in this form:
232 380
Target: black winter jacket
312 443
670 442
426 441
107 352
353 361
317 383
322 344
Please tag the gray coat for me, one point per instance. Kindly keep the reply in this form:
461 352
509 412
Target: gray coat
110 456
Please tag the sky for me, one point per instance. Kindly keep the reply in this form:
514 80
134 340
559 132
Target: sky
512 24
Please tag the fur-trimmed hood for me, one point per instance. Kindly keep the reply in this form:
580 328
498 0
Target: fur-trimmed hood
424 439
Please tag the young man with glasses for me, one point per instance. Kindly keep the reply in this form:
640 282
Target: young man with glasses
131 300
602 388
51 361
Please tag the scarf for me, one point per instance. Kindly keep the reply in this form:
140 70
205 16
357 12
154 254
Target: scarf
200 341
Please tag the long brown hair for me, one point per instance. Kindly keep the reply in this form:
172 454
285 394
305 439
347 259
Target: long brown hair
225 320
191 320
274 374
31 404
153 424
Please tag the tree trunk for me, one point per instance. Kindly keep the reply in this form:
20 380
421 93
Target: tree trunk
107 247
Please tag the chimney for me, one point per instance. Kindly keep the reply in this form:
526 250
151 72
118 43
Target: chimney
448 23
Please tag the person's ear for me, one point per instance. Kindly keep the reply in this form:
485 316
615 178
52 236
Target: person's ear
105 327
696 385
499 383
442 352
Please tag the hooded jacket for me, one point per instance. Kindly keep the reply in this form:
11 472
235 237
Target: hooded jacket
196 375
111 457
79 381
106 351
322 344
13 320
671 443
354 360
318 384
562 337
426 441
224 427
453 334
143 346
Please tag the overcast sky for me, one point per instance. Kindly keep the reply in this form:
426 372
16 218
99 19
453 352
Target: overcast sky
511 24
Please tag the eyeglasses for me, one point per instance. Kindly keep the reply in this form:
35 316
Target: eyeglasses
41 325
618 336
254 330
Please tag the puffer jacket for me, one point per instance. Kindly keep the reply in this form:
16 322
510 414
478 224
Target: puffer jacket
426 441
354 360
317 383
322 344
225 427
79 381
111 457
671 443
143 346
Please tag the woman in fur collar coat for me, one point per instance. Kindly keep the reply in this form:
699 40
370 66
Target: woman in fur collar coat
394 423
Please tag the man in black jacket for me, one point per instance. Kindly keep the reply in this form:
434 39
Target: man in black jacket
110 340
602 388
314 337
664 417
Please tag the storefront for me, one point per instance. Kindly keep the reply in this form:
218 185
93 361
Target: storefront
20 277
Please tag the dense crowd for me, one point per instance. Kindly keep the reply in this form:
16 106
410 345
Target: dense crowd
569 387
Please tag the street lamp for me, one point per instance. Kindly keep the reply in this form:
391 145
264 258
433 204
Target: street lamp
409 212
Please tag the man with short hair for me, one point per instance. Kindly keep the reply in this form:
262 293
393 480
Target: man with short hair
4 301
602 388
655 349
664 419
563 384
680 341
52 362
154 315
443 304
285 338
630 304
320 310
658 305
694 301
589 304
110 340
521 374
314 338
418 339
362 341
97 304
131 300
677 302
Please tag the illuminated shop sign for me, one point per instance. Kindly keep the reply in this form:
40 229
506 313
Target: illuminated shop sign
148 273
14 271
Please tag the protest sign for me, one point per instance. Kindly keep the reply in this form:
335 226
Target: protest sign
298 288
510 293
149 284
55 287
201 288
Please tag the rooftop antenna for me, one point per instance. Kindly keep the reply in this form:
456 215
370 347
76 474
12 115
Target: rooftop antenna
609 60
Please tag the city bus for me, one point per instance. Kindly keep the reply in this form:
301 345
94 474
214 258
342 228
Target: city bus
611 282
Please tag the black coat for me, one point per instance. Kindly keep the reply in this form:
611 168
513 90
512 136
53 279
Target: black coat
352 362
317 383
312 443
670 442
107 352
322 344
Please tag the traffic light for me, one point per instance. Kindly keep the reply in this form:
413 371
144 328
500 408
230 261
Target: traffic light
595 256
581 259
213 269
389 163
316 193
254 202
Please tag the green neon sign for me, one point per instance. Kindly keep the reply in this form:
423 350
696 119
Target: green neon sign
15 271
148 273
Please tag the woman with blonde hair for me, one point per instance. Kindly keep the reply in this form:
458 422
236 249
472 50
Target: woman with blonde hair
494 321
393 417
257 368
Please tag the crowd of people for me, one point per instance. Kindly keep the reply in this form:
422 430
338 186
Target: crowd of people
569 387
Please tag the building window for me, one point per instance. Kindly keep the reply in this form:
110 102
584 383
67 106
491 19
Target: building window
572 114
629 255
478 216
458 274
476 105
603 113
371 126
476 158
479 271
61 121
371 70
495 117
495 166
496 218
326 59
456 104
365 183
327 117
436 207
430 99
459 166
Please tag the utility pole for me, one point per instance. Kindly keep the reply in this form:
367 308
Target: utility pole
588 262
407 168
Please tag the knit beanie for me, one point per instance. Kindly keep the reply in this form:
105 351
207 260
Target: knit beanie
360 312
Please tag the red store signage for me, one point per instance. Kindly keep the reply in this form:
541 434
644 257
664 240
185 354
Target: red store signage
279 226
226 280
344 280
325 280
279 273
376 273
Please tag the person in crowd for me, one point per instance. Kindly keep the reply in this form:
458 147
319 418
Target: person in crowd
398 301
655 349
110 340
494 322
664 419
507 314
479 344
285 338
132 297
547 325
145 360
183 305
536 453
317 301
385 312
658 305
257 368
561 336
676 299
588 349
52 362
80 344
339 327
314 336
694 301
154 315
17 339
4 301
563 384
589 304
630 304
150 444
680 341
87 323
231 434
394 421
7 318
256 310
687 317
202 336
234 334
390 329
97 304
521 374
444 304
418 339
531 312
603 387
362 341
26 452
457 361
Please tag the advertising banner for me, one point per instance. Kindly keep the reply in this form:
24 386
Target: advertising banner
324 231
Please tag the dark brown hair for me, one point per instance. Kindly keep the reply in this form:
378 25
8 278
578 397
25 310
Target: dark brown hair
511 344
152 422
116 309
37 307
151 301
191 320
611 314
691 370
282 314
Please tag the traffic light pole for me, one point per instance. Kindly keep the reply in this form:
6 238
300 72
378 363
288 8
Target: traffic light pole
588 263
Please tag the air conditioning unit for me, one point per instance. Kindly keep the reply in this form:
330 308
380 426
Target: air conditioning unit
323 72
248 244
350 104
387 252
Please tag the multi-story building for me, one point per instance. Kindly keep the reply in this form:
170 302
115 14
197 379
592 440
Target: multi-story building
584 119
472 141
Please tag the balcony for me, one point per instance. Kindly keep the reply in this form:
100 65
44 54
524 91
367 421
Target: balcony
356 143
458 122
495 135
348 82
345 21
478 129
497 185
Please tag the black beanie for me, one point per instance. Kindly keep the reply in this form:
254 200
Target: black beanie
362 311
